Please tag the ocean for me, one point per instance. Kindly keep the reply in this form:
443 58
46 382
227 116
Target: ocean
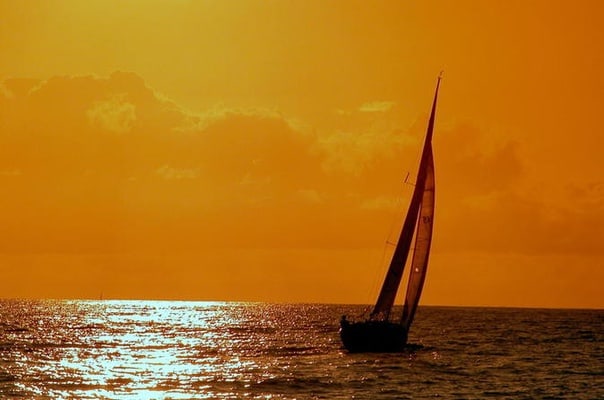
220 350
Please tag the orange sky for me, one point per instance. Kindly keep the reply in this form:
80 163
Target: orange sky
254 150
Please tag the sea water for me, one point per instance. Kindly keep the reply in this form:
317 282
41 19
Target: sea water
200 350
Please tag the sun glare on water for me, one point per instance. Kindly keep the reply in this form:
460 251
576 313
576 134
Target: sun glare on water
135 350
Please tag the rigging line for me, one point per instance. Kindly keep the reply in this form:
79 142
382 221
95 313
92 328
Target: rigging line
384 263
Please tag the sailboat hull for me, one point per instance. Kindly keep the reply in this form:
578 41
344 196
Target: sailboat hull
373 337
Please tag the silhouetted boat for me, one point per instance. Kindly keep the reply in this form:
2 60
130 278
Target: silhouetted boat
381 332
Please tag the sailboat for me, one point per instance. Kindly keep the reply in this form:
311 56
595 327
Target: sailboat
383 332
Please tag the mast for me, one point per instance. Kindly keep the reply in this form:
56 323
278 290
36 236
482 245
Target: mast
394 275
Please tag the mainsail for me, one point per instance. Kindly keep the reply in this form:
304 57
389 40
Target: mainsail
423 239
425 182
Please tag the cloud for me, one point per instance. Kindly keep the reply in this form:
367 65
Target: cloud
381 202
491 205
10 172
353 152
4 92
377 106
365 140
589 195
84 188
512 223
94 164
114 115
476 163
310 196
168 172
17 87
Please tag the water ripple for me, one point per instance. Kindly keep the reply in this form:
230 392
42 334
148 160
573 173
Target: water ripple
181 350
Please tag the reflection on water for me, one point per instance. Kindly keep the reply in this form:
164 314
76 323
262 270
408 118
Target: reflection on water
117 349
180 350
